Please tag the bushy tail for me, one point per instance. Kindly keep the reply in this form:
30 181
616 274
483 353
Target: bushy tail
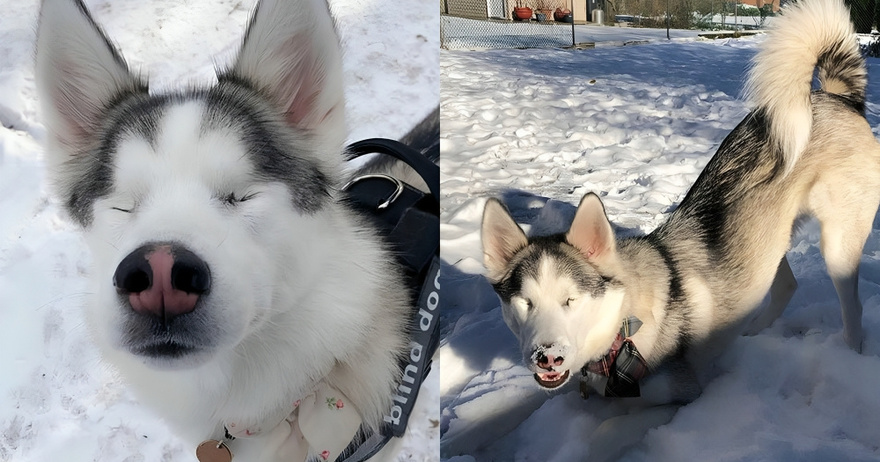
809 33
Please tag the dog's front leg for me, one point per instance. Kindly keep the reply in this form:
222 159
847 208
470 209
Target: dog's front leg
614 436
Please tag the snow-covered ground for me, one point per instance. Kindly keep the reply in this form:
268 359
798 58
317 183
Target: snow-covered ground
539 128
614 35
58 402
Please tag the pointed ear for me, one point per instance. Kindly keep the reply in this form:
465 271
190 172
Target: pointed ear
501 237
591 231
78 73
291 54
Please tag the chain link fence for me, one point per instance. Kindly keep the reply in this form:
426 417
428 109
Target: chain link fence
507 23
560 23
709 15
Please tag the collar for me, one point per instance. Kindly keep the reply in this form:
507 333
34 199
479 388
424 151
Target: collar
322 422
623 364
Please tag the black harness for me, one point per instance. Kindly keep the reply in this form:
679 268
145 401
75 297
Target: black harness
409 220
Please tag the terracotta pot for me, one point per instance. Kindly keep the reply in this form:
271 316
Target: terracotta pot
561 13
522 14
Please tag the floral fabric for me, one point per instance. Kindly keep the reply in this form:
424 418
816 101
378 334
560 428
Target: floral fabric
321 424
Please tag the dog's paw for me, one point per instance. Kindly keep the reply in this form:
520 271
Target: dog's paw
855 342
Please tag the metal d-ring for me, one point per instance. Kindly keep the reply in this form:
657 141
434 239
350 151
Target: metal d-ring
393 197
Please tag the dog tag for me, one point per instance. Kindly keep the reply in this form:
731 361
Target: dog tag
213 451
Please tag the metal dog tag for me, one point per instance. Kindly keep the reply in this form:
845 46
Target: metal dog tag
213 451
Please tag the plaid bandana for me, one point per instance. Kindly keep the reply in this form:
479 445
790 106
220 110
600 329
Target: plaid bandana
623 365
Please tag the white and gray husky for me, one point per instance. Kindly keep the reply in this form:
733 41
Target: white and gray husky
695 282
231 285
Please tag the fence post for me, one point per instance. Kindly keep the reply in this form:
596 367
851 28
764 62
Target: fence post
667 20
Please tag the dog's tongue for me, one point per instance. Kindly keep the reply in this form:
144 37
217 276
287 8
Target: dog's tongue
551 379
550 376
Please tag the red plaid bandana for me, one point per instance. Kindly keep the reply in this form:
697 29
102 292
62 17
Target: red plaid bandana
605 365
623 365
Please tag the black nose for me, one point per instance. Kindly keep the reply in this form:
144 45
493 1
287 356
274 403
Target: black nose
164 280
189 272
134 274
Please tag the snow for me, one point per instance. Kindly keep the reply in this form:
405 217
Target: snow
539 128
58 401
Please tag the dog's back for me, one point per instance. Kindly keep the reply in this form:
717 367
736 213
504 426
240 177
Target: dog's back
800 152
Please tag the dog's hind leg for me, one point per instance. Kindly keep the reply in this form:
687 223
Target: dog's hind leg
784 285
850 307
843 238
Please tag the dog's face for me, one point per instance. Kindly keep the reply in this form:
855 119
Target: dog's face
553 298
191 202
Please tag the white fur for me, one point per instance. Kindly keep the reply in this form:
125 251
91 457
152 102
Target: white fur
798 37
72 58
557 329
694 286
298 35
295 297
550 311
698 292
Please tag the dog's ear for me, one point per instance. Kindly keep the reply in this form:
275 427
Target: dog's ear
291 54
591 231
78 73
501 237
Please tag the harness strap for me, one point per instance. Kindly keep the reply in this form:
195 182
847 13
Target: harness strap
409 220
429 171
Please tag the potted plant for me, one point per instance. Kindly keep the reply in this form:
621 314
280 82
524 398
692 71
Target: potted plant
522 12
562 15
543 9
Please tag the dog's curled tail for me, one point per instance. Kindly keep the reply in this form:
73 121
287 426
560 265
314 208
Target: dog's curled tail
809 33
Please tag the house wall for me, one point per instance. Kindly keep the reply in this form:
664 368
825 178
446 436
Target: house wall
476 9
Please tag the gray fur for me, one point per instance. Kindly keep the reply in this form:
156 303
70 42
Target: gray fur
526 263
230 105
697 279
306 293
90 170
277 152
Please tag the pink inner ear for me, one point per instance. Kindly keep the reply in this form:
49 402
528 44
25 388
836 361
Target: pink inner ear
597 239
73 111
591 239
301 88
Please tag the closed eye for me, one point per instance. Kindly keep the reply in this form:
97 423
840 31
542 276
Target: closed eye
232 199
568 302
122 209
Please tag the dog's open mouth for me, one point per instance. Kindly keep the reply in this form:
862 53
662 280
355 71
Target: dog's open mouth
551 379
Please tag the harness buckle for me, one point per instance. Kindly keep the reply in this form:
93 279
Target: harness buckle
398 187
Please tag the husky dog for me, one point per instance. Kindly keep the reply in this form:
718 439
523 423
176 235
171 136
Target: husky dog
229 280
695 281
